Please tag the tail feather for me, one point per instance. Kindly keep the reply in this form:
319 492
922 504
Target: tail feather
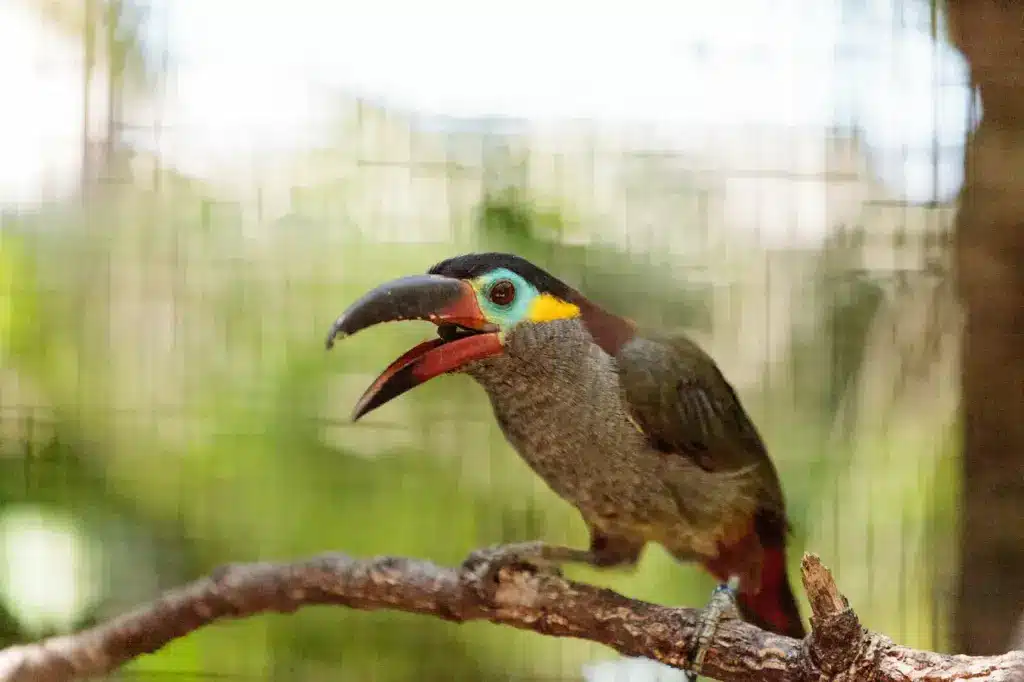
774 606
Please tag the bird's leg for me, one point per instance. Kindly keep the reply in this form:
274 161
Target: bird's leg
723 602
605 551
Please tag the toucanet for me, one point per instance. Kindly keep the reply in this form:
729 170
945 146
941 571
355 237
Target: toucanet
639 430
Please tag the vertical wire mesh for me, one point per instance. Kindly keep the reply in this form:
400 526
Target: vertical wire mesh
167 399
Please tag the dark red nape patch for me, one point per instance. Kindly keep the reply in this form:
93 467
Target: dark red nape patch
609 331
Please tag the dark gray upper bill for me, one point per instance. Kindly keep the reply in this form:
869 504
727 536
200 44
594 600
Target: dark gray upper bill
417 297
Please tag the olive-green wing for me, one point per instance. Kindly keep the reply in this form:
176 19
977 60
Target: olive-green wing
685 406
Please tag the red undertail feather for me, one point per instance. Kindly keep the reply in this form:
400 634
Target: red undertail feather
765 597
773 607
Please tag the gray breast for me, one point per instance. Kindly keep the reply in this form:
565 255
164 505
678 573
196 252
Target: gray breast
557 399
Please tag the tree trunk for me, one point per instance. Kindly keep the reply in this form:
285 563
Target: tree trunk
990 262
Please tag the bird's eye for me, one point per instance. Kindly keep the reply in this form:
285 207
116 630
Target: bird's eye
503 292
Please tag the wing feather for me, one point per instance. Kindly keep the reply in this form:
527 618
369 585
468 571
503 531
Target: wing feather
685 406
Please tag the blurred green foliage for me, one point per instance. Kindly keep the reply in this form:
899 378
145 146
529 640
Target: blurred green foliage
166 384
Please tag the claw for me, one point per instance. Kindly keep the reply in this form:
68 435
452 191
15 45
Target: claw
723 603
540 555
490 560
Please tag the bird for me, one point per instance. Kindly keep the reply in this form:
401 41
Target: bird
638 429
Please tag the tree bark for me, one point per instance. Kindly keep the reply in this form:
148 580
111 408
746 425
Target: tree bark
838 648
990 263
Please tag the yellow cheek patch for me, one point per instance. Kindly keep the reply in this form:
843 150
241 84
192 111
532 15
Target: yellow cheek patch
545 308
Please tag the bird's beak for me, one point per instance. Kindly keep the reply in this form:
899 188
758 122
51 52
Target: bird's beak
465 334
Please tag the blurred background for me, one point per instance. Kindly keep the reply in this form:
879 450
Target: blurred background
192 190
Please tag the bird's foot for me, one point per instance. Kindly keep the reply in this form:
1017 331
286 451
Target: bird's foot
487 563
722 604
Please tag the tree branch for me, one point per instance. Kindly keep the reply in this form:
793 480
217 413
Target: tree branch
838 647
